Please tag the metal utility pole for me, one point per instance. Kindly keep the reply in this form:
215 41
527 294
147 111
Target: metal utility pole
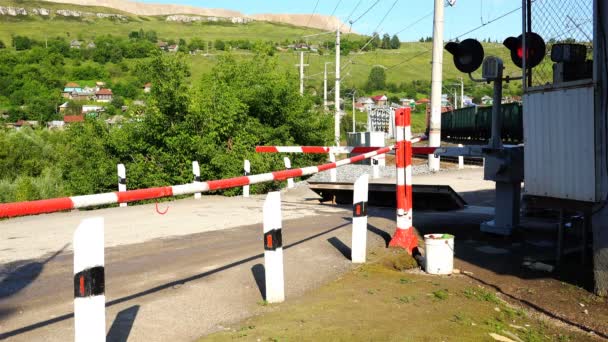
325 87
455 99
461 92
337 90
354 121
301 65
436 84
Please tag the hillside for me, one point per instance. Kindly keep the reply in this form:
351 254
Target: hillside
138 8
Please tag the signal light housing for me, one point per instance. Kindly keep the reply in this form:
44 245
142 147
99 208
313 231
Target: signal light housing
468 54
535 49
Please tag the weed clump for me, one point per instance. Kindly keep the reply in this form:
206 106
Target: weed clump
399 259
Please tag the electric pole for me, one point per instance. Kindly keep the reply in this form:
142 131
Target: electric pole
455 99
337 90
461 92
354 127
301 65
325 87
436 85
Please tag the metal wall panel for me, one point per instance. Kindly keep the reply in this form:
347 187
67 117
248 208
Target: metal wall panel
559 144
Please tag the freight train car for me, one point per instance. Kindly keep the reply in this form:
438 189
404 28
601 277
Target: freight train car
475 124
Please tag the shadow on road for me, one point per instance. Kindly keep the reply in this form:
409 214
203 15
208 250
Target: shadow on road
340 246
381 233
121 328
164 286
259 274
24 275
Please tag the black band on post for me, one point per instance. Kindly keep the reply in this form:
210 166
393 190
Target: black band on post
89 282
246 173
273 239
122 180
360 209
197 178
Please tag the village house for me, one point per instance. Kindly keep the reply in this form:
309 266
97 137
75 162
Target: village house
363 104
104 95
147 87
173 48
162 45
55 124
75 44
380 100
99 85
70 119
92 109
411 103
91 45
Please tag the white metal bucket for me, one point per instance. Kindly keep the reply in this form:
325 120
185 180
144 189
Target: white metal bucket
439 250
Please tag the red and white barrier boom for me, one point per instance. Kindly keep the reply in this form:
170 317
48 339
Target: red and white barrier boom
75 202
404 235
315 149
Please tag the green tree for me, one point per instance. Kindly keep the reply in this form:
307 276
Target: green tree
219 45
386 41
22 43
376 42
395 43
2 46
376 79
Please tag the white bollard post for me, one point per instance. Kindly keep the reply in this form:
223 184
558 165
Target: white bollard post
333 173
247 169
273 249
89 281
122 180
288 167
359 239
375 168
460 160
196 170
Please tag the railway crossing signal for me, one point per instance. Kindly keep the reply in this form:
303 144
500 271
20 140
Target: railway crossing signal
468 55
535 49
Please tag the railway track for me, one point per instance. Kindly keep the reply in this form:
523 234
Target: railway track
467 160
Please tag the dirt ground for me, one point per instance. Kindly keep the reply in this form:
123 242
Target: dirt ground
375 302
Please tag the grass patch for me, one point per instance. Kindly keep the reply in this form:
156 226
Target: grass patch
481 294
354 309
441 294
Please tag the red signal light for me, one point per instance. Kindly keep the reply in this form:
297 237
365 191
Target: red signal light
535 49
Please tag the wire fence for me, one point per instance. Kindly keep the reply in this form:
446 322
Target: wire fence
560 21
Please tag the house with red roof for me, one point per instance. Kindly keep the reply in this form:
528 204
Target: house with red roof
104 95
69 119
380 100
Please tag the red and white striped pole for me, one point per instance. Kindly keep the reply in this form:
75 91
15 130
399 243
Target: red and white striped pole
89 281
122 180
273 249
288 167
85 201
404 235
196 170
247 170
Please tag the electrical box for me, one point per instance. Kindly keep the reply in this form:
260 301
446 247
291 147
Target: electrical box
491 68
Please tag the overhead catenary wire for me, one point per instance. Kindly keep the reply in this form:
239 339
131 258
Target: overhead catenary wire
312 14
332 13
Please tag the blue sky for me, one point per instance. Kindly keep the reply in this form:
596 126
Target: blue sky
465 15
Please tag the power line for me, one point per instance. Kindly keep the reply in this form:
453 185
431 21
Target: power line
416 22
488 22
351 14
333 12
366 11
313 13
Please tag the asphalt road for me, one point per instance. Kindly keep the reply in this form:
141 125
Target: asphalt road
171 288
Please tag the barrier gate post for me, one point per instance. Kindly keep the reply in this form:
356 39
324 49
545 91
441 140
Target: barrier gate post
89 281
196 170
247 169
122 180
404 235
288 167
